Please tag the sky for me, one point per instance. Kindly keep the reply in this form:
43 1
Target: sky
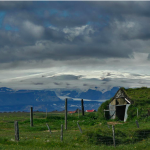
74 44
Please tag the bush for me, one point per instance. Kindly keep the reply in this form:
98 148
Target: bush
132 112
92 116
100 111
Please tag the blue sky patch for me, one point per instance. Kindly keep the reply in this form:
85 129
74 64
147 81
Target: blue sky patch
10 28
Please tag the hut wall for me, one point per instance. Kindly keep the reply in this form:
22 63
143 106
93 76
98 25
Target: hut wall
126 115
112 111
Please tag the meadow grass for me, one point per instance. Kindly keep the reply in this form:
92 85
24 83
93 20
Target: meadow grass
97 134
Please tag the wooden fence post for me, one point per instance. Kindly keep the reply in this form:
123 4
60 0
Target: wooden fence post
78 112
48 128
16 131
113 131
82 106
137 123
61 137
31 117
79 127
66 114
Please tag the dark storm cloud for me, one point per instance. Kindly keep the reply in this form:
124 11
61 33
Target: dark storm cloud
107 79
57 51
85 84
134 74
120 8
38 83
56 83
5 5
108 74
67 77
72 30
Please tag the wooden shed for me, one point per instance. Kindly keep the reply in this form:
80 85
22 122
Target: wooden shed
119 105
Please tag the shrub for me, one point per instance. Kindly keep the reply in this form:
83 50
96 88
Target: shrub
132 112
100 111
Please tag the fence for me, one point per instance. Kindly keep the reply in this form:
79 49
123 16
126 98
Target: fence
114 139
48 132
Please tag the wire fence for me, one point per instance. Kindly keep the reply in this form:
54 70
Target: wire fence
113 138
48 132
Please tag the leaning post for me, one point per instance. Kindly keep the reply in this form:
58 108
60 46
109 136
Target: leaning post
48 128
66 113
16 131
79 127
82 106
31 117
113 131
137 124
61 137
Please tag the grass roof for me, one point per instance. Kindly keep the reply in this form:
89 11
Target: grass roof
140 98
138 95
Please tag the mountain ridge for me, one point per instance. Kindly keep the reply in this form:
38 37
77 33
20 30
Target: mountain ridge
20 100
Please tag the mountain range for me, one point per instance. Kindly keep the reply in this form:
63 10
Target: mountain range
22 100
90 94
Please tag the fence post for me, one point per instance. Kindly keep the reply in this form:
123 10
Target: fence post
82 106
31 117
16 131
104 113
66 114
137 123
61 137
48 128
78 112
113 131
79 127
137 112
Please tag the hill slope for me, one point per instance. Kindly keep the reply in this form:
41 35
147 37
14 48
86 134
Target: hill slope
141 103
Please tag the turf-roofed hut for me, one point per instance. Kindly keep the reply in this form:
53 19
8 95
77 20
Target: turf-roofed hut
119 105
131 103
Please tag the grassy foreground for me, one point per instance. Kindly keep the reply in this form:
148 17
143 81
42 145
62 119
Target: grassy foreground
97 133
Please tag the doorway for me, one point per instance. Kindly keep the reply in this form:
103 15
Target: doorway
120 111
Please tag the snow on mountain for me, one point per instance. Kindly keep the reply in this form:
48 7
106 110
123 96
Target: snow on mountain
22 100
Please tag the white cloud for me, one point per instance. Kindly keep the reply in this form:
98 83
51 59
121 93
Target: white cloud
33 29
125 25
72 32
76 31
54 28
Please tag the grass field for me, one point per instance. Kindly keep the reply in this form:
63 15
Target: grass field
97 134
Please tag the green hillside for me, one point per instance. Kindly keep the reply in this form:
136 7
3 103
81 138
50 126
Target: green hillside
140 98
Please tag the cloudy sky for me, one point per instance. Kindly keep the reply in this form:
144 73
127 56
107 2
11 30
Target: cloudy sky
74 45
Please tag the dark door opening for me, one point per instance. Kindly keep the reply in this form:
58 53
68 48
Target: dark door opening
120 111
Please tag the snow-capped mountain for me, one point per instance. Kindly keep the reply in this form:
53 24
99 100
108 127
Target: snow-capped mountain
22 100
